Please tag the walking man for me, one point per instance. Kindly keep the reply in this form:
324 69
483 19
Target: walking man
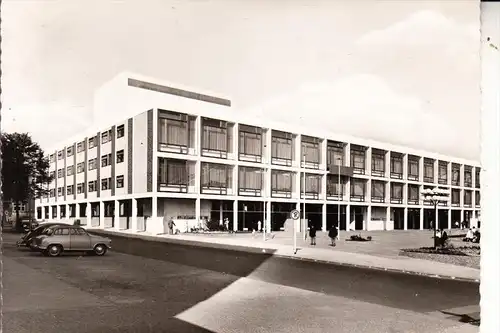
312 234
171 226
333 233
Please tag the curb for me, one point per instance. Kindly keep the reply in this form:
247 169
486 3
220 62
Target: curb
261 250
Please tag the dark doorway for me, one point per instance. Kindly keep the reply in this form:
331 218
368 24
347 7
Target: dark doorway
443 219
314 213
332 216
280 212
413 219
357 214
455 219
398 218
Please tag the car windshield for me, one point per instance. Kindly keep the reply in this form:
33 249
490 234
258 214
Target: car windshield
48 231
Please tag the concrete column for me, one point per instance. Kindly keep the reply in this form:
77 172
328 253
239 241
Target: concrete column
197 210
323 217
405 166
198 136
368 219
117 215
236 141
58 217
462 178
269 218
66 208
368 191
348 217
50 212
347 162
298 151
462 217
153 224
421 219
405 221
387 217
368 161
436 171
77 211
133 218
421 169
197 177
405 193
101 214
88 214
266 152
235 215
387 164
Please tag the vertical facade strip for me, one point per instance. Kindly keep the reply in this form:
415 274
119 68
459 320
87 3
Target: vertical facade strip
113 160
98 166
130 152
75 185
150 152
86 166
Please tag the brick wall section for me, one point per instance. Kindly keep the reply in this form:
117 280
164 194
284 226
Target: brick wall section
113 160
130 151
150 152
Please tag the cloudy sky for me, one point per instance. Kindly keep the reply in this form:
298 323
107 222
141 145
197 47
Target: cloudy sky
404 72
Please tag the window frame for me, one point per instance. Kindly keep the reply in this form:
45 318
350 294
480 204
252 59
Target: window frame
393 198
279 139
281 191
374 198
247 190
120 131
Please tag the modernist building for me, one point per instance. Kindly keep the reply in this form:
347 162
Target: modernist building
164 151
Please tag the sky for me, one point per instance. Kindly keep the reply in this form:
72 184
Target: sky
402 72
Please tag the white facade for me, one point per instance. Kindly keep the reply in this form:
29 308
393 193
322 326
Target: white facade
185 155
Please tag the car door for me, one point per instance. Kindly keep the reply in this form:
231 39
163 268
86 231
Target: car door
80 240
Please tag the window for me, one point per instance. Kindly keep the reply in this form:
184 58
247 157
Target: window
443 173
250 142
80 147
172 172
52 175
52 158
60 191
455 198
60 154
428 171
478 178
281 183
467 198
378 191
70 190
413 168
70 170
80 167
120 131
312 183
214 175
120 155
281 148
357 189
70 151
396 193
413 194
78 231
61 232
478 198
214 136
106 160
334 186
378 163
92 142
335 154
358 160
92 164
311 151
106 184
80 188
250 180
468 177
173 129
60 173
93 186
52 192
455 175
105 137
396 165
119 181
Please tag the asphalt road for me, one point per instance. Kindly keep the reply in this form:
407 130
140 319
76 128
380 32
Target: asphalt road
143 286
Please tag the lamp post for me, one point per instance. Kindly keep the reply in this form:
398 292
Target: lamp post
435 196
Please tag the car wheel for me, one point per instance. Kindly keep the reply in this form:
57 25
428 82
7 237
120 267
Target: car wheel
100 249
54 250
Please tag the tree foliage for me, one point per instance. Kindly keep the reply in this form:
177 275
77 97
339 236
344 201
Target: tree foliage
25 169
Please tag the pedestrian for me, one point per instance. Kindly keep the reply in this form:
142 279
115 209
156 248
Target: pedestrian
333 233
171 225
312 234
259 226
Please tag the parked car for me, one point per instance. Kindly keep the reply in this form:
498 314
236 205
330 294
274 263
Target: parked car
27 239
67 238
25 224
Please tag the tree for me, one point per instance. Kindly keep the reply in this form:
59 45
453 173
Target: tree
25 169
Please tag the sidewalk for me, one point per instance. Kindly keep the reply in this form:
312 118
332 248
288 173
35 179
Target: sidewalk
382 258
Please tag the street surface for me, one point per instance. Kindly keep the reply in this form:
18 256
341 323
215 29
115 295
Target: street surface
143 286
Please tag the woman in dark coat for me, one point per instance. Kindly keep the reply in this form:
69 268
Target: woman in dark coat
333 233
312 234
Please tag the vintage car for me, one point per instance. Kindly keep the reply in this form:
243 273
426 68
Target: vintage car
68 238
27 239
